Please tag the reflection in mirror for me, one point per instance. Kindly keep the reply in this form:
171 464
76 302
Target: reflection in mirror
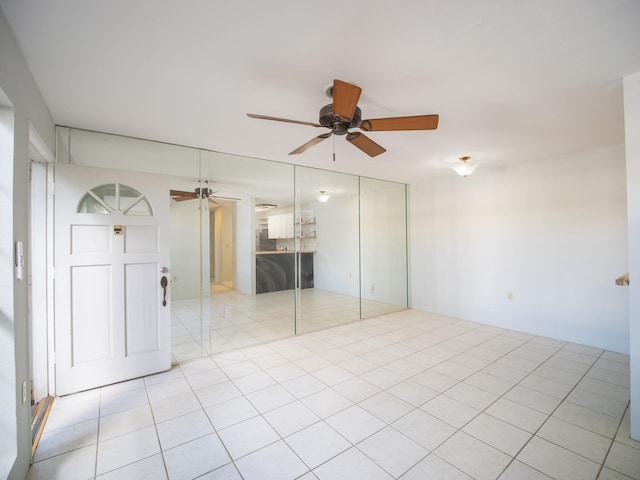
251 299
383 226
182 166
189 338
326 232
240 244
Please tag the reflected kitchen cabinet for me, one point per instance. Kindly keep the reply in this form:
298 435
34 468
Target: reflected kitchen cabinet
281 226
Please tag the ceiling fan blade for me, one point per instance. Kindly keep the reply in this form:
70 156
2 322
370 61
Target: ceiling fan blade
311 143
264 117
418 122
345 99
181 193
365 144
225 198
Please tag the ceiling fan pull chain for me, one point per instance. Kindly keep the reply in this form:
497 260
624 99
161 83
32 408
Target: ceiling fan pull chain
334 148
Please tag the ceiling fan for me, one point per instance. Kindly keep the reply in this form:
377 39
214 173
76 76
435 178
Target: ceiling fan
182 195
344 113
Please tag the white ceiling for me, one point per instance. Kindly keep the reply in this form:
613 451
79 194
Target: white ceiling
512 80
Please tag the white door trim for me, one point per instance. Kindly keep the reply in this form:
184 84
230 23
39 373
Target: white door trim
40 266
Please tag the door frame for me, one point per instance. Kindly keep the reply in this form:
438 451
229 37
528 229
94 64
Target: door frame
40 268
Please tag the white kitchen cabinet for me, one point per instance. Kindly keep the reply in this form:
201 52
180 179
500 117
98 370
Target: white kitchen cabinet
281 226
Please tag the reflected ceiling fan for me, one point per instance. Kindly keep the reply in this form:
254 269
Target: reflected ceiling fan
182 195
344 114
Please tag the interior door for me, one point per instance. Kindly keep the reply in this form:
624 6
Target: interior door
112 306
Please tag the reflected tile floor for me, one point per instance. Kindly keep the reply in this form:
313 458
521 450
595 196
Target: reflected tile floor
231 319
409 395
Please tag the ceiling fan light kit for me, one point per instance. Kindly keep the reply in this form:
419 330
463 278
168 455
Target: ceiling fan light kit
344 114
464 169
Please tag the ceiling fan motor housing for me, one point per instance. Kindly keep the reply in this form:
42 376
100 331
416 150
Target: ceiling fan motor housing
337 124
203 192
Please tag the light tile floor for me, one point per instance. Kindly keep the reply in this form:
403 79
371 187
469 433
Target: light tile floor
409 395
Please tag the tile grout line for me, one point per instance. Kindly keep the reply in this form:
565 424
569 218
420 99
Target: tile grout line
501 396
280 437
432 451
458 430
155 426
95 466
321 420
261 414
613 440
416 408
554 410
202 407
440 393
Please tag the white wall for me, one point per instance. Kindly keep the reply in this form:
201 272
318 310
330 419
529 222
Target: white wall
632 135
19 92
552 232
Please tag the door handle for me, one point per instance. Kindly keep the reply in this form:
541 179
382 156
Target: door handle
163 284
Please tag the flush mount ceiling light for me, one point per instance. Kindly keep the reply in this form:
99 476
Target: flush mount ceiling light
261 207
465 169
323 197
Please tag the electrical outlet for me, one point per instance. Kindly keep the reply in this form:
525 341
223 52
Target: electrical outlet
373 287
509 295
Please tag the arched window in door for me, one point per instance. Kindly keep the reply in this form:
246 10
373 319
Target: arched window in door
115 199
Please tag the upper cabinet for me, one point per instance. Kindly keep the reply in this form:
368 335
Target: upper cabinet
281 226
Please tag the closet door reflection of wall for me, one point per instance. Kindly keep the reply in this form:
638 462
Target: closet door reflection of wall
328 230
383 223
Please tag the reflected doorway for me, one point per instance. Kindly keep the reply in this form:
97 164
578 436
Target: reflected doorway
221 246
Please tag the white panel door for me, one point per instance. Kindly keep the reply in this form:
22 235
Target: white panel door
112 314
